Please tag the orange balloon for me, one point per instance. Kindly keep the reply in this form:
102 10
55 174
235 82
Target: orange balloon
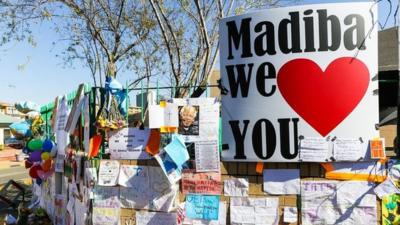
46 165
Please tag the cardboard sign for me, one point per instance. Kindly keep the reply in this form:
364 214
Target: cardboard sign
201 183
298 71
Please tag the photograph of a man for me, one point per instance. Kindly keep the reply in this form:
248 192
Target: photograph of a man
188 120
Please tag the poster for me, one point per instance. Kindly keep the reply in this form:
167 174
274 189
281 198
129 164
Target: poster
282 181
238 187
207 156
155 218
198 119
390 209
334 202
108 172
129 143
201 183
245 210
314 78
204 207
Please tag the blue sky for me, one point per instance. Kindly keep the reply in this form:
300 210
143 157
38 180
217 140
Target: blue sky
44 76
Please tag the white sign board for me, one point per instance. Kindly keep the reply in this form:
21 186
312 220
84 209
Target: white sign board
129 143
297 71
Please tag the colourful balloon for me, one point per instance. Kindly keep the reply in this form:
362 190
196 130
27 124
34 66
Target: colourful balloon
35 156
33 171
39 181
47 145
46 165
44 175
45 156
35 144
28 164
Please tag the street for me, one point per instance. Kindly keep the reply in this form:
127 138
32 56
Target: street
15 173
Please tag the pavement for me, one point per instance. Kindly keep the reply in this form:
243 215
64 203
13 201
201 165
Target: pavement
10 168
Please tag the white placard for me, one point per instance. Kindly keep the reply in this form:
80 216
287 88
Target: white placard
314 149
347 149
254 211
108 172
238 187
282 181
129 143
298 71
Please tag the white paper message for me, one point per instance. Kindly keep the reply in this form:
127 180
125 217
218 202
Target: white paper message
108 172
207 156
129 143
236 187
282 181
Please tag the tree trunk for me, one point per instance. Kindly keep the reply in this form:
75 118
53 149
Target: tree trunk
111 69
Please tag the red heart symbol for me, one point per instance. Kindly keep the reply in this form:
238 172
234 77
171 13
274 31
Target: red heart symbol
323 99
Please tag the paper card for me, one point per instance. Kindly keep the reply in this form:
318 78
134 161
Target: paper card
204 207
386 188
146 189
62 137
160 116
59 210
221 218
245 210
198 118
130 175
207 156
289 214
168 166
107 197
177 150
333 202
108 172
106 216
129 143
346 149
314 149
377 147
201 183
282 181
236 187
155 218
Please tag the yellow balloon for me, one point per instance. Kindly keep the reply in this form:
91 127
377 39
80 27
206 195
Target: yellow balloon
45 156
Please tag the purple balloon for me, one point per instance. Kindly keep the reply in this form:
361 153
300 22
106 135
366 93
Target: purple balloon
35 156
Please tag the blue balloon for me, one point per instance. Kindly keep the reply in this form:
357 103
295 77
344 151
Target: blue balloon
25 150
47 145
38 181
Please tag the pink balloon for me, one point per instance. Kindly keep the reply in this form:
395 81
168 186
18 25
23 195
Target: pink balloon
44 175
35 156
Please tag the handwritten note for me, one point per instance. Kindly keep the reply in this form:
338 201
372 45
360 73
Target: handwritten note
254 210
129 143
201 183
207 156
282 181
155 218
108 172
236 187
221 218
202 207
347 149
313 149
